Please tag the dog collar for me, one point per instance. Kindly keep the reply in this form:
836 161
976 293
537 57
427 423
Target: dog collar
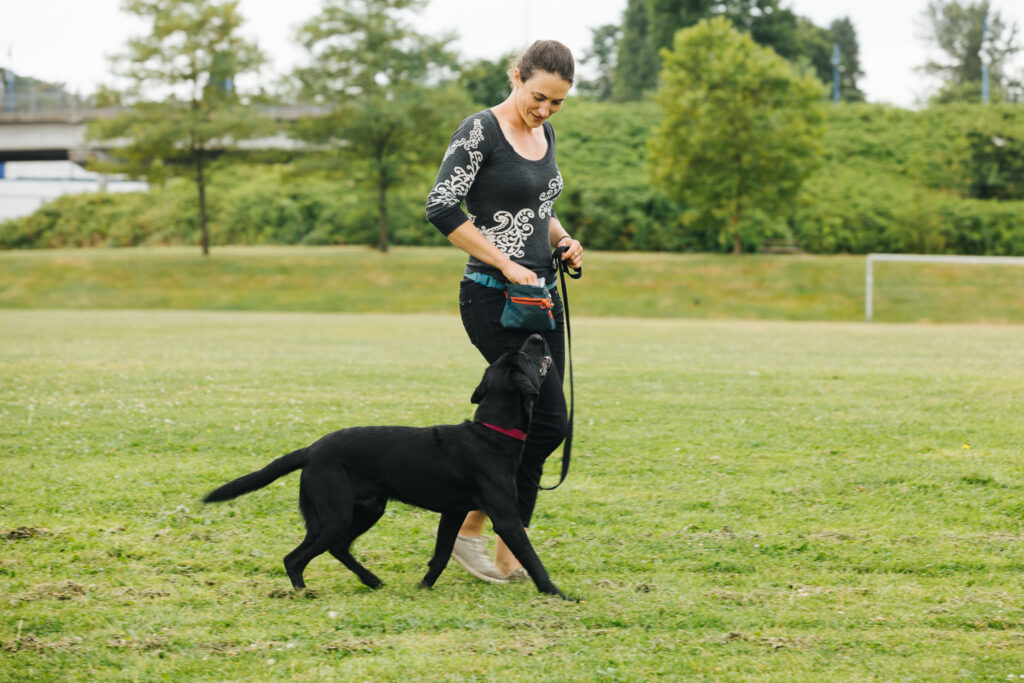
514 433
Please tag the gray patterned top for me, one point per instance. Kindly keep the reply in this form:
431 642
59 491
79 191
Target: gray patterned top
508 198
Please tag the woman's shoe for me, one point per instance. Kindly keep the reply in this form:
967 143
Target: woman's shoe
471 553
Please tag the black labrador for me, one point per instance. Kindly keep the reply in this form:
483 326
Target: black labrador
349 475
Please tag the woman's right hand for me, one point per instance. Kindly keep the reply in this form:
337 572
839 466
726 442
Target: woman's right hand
519 275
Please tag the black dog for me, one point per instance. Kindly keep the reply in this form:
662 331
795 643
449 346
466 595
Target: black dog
349 475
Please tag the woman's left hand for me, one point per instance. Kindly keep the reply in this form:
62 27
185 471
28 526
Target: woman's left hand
574 253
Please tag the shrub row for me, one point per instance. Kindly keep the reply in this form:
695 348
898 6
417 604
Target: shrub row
893 180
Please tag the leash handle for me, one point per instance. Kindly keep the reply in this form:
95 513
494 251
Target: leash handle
563 269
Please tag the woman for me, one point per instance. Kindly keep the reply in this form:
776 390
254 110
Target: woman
501 163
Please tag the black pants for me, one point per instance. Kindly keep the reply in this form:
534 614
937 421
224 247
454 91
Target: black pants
481 308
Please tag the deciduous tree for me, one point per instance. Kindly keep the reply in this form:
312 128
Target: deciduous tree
391 110
182 104
956 30
601 58
741 131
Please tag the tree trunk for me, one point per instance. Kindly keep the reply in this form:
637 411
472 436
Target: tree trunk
204 233
737 239
383 207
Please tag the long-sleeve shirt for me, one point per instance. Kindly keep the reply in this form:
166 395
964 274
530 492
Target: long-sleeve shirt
507 197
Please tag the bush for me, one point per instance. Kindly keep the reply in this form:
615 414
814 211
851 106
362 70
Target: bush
894 181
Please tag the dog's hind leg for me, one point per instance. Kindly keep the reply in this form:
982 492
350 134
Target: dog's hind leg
363 517
447 530
325 499
295 562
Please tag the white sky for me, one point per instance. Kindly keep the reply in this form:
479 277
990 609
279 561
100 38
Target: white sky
70 41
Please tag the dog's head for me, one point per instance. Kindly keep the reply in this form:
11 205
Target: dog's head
511 384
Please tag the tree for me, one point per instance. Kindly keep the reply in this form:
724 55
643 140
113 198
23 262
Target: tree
741 130
190 61
601 55
650 25
486 80
956 30
636 65
386 83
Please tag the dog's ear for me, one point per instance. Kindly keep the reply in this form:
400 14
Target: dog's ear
481 389
526 387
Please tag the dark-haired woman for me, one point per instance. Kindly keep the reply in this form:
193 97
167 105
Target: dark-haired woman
501 164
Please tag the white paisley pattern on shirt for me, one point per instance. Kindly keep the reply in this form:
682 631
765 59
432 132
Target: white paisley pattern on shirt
510 233
548 198
451 192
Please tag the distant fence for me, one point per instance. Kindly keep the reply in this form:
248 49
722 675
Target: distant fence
33 100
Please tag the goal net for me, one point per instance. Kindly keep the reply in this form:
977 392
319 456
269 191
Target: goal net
872 259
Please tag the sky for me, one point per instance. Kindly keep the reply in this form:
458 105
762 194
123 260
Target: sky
70 41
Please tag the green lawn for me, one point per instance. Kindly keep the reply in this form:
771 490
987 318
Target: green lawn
749 500
424 280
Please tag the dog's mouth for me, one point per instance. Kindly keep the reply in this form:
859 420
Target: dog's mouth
545 365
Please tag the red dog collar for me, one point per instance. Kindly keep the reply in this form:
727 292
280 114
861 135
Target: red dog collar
514 433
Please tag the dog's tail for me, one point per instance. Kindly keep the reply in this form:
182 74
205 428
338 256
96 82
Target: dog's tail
256 480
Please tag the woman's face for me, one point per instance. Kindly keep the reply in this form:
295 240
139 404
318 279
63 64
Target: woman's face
540 96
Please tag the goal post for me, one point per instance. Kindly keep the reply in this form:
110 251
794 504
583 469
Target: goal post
869 275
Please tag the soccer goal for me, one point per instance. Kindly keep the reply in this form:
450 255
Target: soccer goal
869 275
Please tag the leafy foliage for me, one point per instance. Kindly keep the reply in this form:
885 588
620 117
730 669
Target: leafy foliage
486 81
649 26
375 71
182 104
249 205
957 30
945 180
740 132
903 181
601 56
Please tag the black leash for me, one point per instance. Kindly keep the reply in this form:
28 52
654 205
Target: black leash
564 269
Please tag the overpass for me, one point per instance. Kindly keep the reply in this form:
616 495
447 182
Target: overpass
60 134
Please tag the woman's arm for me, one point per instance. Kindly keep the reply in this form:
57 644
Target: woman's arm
560 238
470 240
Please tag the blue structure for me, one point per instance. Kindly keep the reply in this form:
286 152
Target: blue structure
835 73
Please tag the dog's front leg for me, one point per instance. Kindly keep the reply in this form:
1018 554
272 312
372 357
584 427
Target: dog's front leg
447 530
510 528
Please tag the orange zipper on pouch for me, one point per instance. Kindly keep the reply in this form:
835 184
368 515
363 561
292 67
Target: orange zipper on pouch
530 301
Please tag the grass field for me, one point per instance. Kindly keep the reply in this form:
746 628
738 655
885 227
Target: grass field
749 500
358 280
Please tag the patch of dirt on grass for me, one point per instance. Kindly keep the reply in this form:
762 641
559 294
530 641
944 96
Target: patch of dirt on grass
739 598
30 643
773 642
141 644
130 593
353 646
63 590
292 594
233 649
24 532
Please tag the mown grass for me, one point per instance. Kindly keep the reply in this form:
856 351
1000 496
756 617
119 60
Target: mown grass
424 280
748 500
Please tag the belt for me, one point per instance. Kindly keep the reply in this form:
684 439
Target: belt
495 283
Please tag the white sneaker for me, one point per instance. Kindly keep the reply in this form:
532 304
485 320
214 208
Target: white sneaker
471 553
